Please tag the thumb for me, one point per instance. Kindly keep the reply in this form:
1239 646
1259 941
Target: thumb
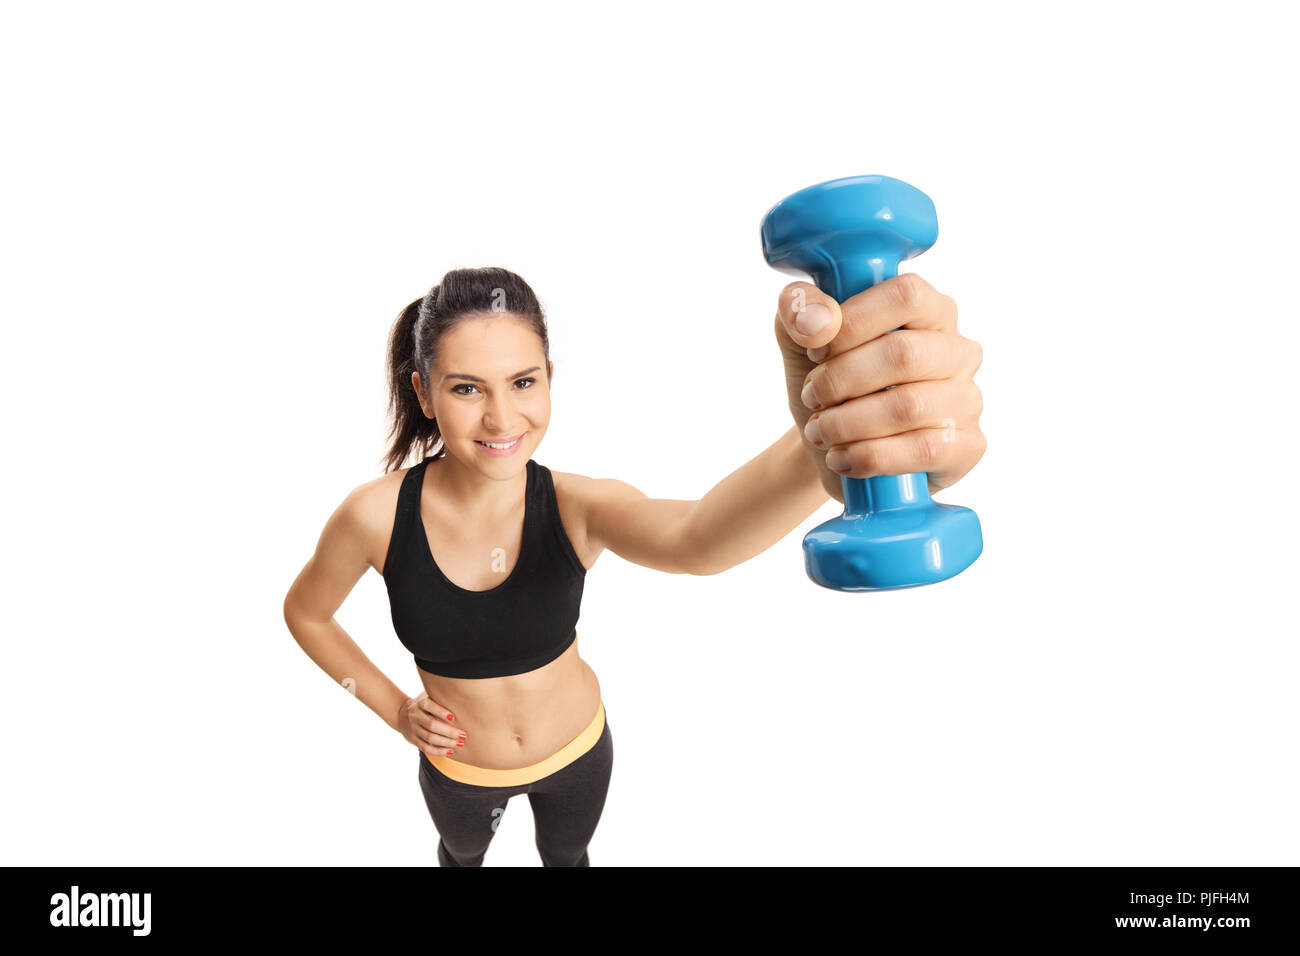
809 317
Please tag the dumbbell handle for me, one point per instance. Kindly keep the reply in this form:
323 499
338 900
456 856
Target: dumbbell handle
882 492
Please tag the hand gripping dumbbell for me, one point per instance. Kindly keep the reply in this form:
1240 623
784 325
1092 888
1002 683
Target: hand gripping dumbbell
849 234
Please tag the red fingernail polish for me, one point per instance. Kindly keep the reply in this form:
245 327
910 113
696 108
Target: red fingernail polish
462 736
460 743
451 753
451 716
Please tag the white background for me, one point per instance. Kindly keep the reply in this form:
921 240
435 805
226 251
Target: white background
213 212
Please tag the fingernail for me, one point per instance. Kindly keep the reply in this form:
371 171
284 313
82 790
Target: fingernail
837 460
812 319
460 743
812 431
451 753
806 396
817 354
462 736
451 716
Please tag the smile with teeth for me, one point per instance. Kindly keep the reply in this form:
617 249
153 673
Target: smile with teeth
502 445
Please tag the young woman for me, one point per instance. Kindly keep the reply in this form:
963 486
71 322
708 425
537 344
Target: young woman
484 551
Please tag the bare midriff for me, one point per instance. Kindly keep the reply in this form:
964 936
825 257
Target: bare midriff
521 719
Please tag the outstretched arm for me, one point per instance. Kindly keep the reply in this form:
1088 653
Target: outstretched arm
746 513
754 507
864 403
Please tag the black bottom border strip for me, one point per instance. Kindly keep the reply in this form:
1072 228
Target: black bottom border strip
1229 905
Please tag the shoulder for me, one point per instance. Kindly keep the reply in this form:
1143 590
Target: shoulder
581 501
369 509
588 494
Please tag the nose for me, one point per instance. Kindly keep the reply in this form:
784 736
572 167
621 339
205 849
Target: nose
498 412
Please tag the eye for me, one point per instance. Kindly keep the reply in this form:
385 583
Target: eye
531 381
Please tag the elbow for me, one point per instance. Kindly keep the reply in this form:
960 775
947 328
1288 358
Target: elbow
291 616
707 571
700 563
692 557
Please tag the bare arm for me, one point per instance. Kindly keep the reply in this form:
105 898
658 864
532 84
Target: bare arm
754 507
318 591
742 516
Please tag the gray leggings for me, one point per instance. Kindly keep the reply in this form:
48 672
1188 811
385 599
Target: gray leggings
566 807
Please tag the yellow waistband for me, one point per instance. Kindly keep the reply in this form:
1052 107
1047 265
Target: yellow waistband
514 776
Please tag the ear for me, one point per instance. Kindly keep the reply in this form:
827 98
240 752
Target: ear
419 394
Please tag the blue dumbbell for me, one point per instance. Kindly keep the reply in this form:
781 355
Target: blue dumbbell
849 234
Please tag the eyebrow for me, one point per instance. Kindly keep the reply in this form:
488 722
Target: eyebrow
475 378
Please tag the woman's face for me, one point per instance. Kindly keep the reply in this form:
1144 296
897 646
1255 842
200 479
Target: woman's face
489 384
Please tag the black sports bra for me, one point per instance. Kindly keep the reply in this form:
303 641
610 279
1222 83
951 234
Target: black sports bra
523 623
